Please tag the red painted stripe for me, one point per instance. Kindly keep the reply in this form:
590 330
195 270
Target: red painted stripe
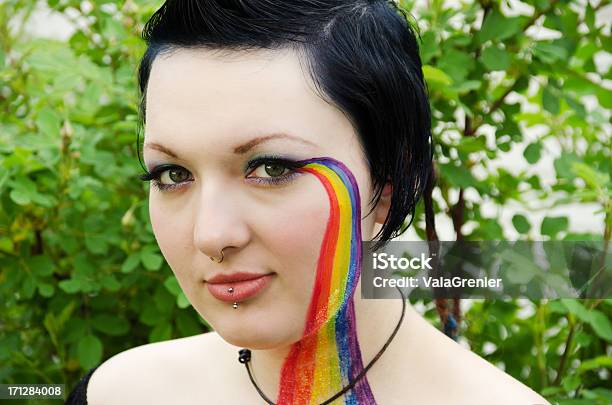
298 370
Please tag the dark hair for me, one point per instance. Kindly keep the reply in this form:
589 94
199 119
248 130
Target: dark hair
362 56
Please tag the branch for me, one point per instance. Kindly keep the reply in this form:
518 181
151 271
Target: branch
472 127
539 14
433 241
566 350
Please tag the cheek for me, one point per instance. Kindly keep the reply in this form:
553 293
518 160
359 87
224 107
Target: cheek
294 236
171 230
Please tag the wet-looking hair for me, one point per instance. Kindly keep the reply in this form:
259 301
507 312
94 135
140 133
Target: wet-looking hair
362 56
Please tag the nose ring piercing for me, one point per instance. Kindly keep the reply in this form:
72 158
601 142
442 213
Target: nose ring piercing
214 259
235 305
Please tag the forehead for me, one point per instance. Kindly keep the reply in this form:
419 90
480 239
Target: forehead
206 93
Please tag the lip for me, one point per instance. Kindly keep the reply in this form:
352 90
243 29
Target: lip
244 285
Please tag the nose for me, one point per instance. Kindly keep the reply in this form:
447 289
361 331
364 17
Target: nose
219 222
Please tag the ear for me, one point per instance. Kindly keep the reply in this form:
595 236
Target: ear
384 203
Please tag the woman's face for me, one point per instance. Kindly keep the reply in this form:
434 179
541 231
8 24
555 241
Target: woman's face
209 115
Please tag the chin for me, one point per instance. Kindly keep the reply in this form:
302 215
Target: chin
260 336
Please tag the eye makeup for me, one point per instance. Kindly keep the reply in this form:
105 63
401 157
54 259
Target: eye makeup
250 167
275 161
155 174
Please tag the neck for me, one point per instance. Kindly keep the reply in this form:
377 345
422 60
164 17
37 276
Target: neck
375 320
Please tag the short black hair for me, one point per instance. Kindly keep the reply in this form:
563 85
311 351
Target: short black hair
362 56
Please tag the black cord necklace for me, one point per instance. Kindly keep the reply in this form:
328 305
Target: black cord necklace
244 356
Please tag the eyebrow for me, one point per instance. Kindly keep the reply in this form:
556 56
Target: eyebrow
247 146
240 149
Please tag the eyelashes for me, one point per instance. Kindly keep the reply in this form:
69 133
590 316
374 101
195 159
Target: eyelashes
155 177
289 172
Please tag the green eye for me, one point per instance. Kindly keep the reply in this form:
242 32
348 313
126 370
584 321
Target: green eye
271 170
274 170
178 175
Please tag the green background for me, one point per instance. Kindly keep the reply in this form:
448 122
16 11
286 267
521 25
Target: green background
82 278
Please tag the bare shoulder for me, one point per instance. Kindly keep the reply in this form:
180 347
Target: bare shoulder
448 372
481 382
160 370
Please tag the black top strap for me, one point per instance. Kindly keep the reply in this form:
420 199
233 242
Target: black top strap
78 396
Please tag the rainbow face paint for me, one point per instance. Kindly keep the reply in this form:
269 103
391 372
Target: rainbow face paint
328 356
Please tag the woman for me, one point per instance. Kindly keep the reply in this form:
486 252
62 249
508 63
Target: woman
268 127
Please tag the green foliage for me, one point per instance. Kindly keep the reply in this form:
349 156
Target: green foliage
81 275
82 278
496 88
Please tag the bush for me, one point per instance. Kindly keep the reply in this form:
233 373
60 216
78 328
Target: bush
82 278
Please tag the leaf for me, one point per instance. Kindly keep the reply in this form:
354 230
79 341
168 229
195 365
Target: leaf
150 315
20 197
164 301
187 325
89 351
48 122
550 102
605 97
532 152
574 401
112 325
577 309
182 301
549 391
83 266
550 53
557 307
429 46
110 283
29 287
575 105
601 325
472 144
46 290
495 58
604 394
597 362
151 260
436 76
491 229
467 86
564 163
519 269
96 244
592 177
456 64
160 332
571 382
130 263
70 286
172 285
497 26
583 339
551 226
521 224
41 265
458 176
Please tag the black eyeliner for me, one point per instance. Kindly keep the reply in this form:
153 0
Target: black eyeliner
275 159
155 172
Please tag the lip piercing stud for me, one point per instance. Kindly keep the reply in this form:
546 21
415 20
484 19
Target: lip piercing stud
230 290
235 305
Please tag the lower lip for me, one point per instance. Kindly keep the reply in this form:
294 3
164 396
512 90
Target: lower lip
242 289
